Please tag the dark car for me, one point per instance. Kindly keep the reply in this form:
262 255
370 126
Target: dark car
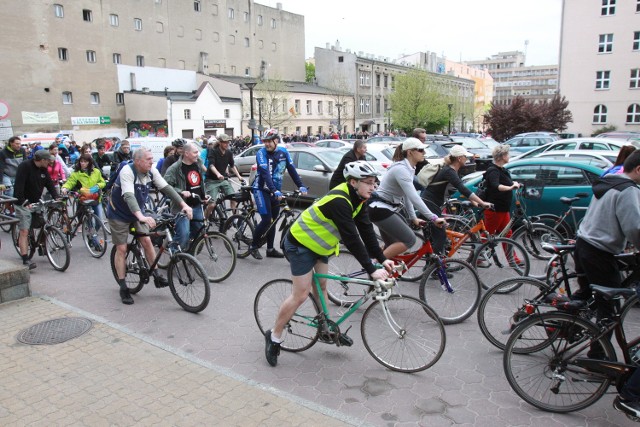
442 149
483 153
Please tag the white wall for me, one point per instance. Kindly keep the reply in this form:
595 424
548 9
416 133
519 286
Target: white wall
156 79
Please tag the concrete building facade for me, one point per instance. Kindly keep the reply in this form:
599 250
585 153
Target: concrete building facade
61 56
600 64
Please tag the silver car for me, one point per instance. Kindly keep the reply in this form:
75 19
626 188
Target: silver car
246 159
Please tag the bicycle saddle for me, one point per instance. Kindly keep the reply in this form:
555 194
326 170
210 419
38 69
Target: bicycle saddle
558 249
610 293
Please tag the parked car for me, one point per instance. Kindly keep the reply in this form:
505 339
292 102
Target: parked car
395 140
333 143
600 158
540 133
483 154
441 148
575 144
466 134
558 178
247 158
632 137
525 143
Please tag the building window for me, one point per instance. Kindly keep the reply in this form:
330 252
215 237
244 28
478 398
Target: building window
602 79
308 107
386 81
296 106
361 105
187 114
377 105
634 83
58 10
367 105
198 34
260 20
330 108
246 42
120 98
320 109
231 13
377 80
633 114
600 114
605 43
63 54
95 98
227 113
365 78
160 27
114 20
637 5
636 40
247 71
246 17
608 7
91 56
117 59
67 98
197 6
273 23
233 70
140 61
137 24
87 16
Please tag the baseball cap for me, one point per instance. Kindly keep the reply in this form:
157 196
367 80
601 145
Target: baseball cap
412 144
459 150
42 155
223 137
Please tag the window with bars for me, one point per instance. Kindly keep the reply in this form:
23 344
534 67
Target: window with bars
63 54
608 8
117 58
634 81
87 15
633 114
197 6
67 98
91 56
602 79
605 43
600 114
95 98
120 98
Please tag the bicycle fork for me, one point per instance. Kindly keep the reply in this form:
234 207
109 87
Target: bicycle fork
441 271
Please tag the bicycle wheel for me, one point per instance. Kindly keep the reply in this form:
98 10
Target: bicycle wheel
560 225
94 235
498 258
630 317
340 293
531 237
502 308
216 254
57 248
240 231
189 283
136 273
458 303
415 272
301 332
546 378
403 334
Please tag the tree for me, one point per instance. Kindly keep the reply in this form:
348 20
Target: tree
310 70
418 102
505 121
275 103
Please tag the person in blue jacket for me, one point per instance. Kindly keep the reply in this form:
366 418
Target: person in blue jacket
272 162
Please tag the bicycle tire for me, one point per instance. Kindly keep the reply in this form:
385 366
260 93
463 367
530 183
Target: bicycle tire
457 306
189 283
509 260
92 228
558 224
240 231
500 311
630 317
531 237
559 385
344 294
136 273
414 342
216 254
56 248
298 334
415 272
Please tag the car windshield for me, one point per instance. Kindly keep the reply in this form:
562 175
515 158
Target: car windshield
332 158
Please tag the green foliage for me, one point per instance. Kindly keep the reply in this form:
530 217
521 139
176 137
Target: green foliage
505 121
603 130
310 70
417 102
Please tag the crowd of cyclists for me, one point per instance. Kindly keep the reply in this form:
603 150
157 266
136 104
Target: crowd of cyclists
360 198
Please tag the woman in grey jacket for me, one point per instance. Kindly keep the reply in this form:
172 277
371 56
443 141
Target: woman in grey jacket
397 190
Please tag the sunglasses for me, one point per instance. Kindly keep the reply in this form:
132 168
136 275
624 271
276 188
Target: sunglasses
419 150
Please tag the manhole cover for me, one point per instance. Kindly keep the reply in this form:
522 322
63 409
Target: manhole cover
55 331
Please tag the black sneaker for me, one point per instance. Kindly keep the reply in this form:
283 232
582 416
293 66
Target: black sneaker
160 281
274 253
29 264
125 296
256 253
630 408
271 349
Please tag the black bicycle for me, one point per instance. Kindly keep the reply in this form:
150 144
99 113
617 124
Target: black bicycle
188 281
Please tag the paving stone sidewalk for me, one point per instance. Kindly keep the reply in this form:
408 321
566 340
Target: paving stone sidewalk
108 377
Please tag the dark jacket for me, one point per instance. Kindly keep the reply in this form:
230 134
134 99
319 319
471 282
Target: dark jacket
337 178
495 176
31 181
10 160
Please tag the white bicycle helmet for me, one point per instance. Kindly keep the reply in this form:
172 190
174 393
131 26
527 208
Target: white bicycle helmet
269 134
359 170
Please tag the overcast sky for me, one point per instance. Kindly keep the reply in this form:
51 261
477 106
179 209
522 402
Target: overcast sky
459 29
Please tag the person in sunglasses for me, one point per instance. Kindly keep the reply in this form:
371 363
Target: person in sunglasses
395 192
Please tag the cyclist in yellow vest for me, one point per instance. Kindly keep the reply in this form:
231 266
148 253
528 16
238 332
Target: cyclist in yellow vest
339 216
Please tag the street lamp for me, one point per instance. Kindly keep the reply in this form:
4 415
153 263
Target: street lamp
450 106
339 107
252 121
260 128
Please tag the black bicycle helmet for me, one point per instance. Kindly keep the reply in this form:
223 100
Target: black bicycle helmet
179 143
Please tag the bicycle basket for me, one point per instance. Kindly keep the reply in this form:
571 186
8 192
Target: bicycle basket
533 189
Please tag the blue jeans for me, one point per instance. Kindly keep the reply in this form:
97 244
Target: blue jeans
186 229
